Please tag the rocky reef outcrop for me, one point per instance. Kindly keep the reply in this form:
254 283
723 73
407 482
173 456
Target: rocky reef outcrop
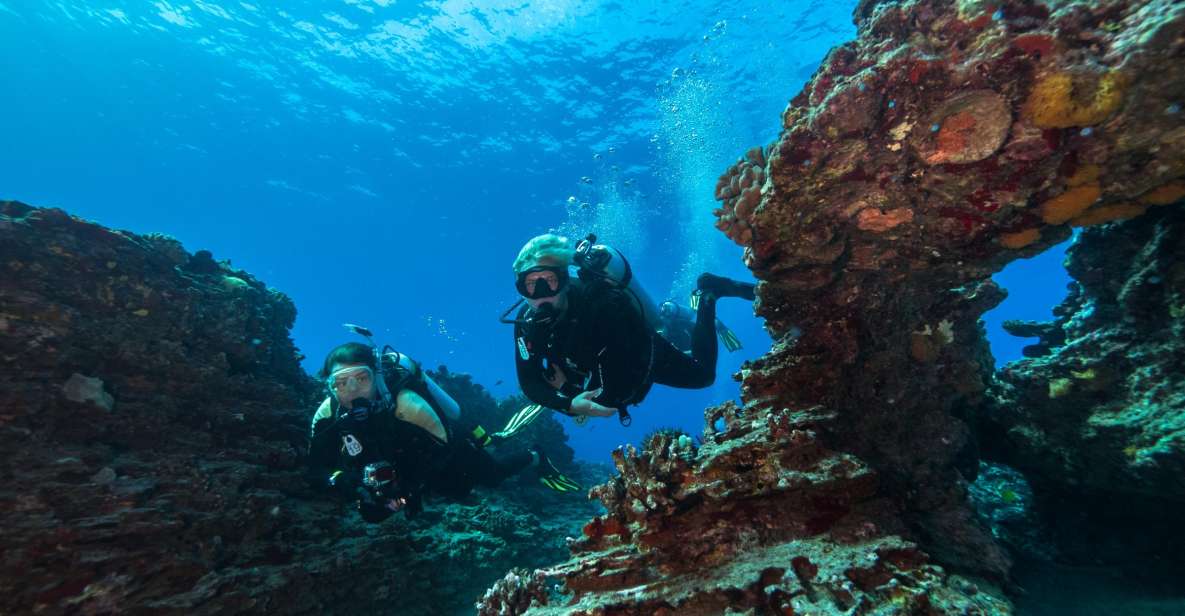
951 138
1097 423
154 419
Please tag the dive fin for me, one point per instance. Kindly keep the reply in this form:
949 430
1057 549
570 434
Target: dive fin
559 483
520 420
727 338
694 300
551 477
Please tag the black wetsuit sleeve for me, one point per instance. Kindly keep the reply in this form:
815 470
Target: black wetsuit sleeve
623 361
531 379
323 453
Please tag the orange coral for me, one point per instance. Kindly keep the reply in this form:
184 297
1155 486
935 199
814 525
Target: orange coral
1062 100
1109 213
872 219
1020 239
1070 203
953 136
1086 174
1165 194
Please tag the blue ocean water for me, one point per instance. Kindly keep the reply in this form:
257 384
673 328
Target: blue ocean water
381 162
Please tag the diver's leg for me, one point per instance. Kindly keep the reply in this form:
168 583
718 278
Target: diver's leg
704 345
698 370
489 470
675 368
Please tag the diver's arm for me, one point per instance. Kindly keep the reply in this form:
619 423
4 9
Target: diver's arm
323 454
533 383
624 360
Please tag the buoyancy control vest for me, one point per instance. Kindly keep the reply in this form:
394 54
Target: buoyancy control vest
600 262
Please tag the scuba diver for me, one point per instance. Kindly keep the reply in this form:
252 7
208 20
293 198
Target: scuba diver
387 434
592 346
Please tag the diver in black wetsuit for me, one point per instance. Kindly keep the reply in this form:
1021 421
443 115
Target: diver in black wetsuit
386 437
586 347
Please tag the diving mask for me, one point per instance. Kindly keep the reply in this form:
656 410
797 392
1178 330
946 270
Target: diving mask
542 281
351 383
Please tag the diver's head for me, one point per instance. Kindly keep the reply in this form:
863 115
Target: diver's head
349 374
541 270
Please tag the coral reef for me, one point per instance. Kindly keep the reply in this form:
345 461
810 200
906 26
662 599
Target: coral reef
1097 421
514 594
760 517
949 139
154 417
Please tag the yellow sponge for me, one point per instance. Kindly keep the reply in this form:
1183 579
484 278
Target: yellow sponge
1109 213
1070 204
1020 239
1165 194
1062 100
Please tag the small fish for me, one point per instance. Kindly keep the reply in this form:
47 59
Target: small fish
612 150
571 200
629 182
586 180
584 204
596 156
498 382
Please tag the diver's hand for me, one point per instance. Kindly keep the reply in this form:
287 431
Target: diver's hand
395 504
583 404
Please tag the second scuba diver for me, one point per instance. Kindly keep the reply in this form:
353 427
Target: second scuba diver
590 347
387 434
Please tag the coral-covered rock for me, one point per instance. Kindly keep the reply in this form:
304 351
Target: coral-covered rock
1097 422
760 517
970 115
154 419
514 594
994 128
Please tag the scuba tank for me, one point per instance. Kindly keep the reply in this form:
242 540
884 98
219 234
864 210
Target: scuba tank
598 261
607 263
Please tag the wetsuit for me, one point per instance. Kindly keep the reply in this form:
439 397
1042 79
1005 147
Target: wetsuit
422 462
602 339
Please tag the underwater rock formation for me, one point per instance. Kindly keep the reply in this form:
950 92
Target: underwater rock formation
949 139
761 517
1098 424
154 419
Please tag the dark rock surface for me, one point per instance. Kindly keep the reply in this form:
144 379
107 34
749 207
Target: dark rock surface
949 139
153 419
1098 424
